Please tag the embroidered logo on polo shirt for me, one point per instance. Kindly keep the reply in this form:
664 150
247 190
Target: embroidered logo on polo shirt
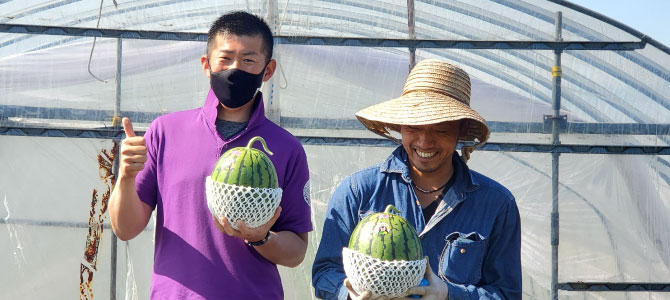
305 194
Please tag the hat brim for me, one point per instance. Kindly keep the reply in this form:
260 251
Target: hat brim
423 108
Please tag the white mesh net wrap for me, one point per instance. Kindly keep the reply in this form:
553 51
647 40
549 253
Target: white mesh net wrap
254 206
382 278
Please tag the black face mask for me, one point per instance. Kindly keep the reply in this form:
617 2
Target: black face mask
234 87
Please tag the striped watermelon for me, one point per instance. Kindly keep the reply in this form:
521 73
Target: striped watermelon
246 166
386 236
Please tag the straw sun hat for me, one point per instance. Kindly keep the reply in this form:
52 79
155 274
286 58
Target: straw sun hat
434 92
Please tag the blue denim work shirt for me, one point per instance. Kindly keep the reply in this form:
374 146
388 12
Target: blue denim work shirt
473 241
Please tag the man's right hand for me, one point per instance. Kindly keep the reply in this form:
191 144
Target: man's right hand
133 152
127 213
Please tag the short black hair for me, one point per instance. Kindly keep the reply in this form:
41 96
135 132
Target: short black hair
241 23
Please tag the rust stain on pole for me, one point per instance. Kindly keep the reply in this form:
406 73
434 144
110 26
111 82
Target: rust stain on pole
96 221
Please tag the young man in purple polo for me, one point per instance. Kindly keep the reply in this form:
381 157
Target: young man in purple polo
196 257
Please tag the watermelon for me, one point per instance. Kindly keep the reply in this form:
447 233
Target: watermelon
386 236
246 166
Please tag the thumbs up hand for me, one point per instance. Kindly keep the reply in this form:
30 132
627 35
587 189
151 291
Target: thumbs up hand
133 152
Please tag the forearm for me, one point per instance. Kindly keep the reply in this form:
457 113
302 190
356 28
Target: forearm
327 270
127 213
327 280
284 248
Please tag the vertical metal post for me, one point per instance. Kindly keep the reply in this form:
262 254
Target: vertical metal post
116 119
555 127
412 35
270 90
112 281
116 122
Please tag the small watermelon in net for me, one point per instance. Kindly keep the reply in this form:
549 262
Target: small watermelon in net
386 236
384 255
246 166
244 186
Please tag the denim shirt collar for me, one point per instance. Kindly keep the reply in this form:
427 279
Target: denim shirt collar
398 162
464 182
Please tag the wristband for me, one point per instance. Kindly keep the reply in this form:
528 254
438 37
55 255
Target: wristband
258 243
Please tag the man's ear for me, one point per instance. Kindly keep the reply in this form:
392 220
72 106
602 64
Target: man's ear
270 69
205 65
463 127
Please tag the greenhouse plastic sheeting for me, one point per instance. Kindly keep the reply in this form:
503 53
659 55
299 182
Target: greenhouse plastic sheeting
614 224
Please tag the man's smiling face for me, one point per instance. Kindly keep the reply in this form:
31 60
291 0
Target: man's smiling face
430 147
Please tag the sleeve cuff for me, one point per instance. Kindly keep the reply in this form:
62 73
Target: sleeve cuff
456 291
343 293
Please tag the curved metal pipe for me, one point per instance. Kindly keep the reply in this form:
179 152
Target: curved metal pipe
643 37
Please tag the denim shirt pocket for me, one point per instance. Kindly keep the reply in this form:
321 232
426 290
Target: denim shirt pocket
462 257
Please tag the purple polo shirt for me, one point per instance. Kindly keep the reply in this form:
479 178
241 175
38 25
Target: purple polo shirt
192 258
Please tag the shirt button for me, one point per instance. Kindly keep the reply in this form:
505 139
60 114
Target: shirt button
462 251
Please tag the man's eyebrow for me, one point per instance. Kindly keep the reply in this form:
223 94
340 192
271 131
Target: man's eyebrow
246 53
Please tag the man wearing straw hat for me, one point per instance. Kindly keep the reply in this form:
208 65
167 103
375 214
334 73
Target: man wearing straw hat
469 224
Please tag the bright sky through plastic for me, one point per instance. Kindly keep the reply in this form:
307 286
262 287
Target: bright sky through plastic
647 16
